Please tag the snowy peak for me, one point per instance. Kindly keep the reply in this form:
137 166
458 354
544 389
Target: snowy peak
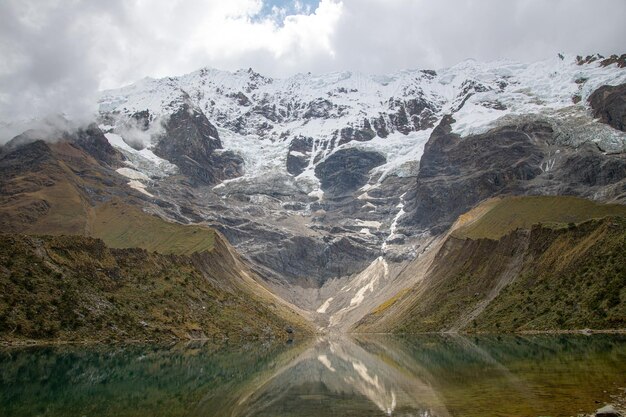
306 117
226 96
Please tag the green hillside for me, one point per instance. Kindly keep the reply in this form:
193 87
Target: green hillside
74 288
505 215
124 226
567 273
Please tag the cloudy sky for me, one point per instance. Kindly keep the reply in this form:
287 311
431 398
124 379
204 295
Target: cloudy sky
56 54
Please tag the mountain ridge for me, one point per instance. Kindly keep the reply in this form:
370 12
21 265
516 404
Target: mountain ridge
331 187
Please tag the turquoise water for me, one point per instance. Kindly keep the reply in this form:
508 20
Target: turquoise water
328 376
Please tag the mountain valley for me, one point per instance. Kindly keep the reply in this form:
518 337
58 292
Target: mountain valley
420 201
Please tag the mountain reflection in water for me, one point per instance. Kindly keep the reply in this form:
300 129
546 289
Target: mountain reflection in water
431 375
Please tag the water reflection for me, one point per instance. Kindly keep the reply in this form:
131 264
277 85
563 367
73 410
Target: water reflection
330 376
337 376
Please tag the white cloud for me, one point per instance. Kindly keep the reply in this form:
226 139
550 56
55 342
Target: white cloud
56 54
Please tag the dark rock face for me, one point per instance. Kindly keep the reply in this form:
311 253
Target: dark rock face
267 109
319 108
142 119
93 141
242 99
468 89
349 134
411 115
299 155
193 144
309 262
455 174
89 139
380 127
590 167
620 60
347 170
609 104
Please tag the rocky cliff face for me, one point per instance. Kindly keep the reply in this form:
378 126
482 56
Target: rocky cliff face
523 157
609 105
346 170
193 144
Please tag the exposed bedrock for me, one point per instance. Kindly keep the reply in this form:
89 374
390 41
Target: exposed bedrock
609 104
455 174
347 170
309 262
192 143
527 157
299 155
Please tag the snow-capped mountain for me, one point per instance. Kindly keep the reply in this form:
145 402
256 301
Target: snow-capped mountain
320 177
261 118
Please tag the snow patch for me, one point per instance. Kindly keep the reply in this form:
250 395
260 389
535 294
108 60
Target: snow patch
368 279
322 309
132 174
139 186
394 224
144 160
326 362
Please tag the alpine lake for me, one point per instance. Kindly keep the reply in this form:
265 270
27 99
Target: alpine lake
360 376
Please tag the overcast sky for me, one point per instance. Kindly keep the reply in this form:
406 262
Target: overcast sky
56 54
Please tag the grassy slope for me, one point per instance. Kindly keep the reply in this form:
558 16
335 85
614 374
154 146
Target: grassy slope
555 276
124 226
505 215
573 278
75 288
66 192
46 198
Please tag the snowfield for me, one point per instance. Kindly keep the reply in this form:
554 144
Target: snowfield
258 117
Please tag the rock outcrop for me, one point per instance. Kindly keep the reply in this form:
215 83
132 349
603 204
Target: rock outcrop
456 173
347 170
299 154
309 262
192 143
523 157
609 105
92 140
